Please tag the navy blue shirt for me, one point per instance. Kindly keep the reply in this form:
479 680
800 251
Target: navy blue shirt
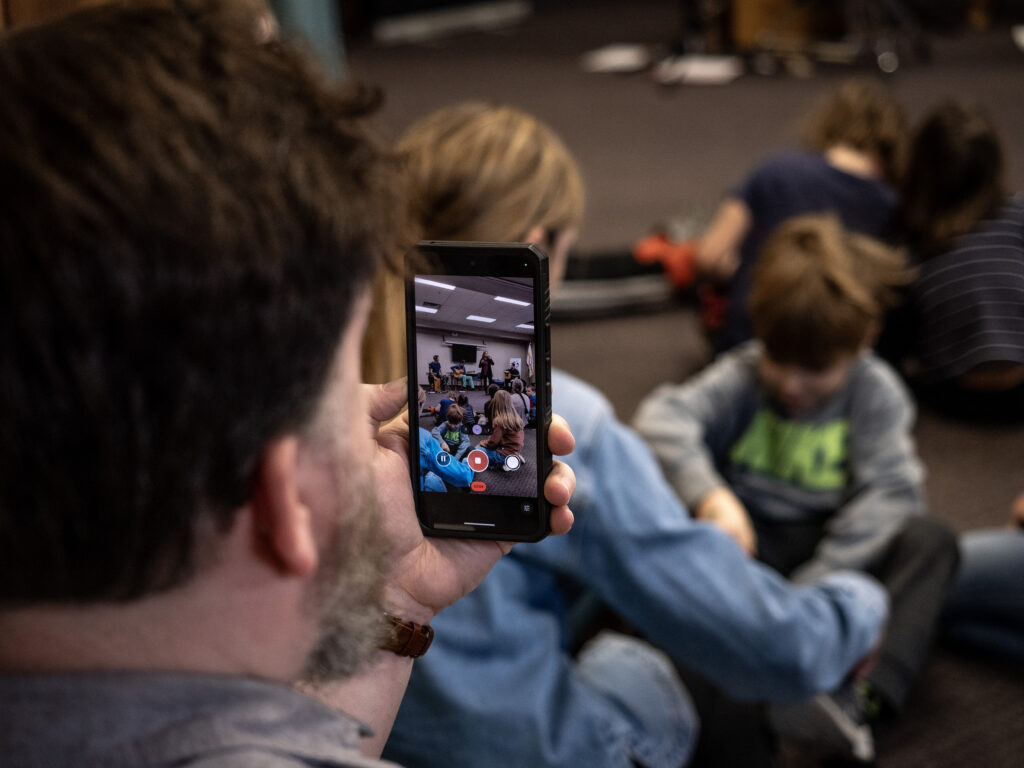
793 184
443 406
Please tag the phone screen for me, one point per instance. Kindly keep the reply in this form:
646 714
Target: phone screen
479 373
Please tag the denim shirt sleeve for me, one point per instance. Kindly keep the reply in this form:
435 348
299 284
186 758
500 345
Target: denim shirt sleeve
455 473
686 585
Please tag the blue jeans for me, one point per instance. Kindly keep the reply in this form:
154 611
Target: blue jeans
497 459
985 607
648 715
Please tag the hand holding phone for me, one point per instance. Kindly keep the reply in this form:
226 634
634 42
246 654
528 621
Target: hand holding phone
479 313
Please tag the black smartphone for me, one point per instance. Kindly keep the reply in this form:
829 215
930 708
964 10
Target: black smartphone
479 366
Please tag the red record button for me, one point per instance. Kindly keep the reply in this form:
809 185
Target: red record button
478 485
477 460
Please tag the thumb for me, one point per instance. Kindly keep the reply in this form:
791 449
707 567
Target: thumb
385 401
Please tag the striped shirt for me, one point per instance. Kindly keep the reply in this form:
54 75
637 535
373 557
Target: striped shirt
969 301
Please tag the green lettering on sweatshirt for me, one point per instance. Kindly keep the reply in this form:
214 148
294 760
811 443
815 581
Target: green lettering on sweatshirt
811 456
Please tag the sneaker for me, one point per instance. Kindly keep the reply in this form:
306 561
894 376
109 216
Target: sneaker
835 723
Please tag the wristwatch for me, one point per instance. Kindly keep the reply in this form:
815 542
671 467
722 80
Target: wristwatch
406 638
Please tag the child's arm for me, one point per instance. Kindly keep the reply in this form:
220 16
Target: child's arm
717 253
687 424
886 477
494 440
722 509
463 446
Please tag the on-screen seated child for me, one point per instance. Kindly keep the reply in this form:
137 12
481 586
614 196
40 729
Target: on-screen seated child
506 438
799 445
440 410
484 419
468 414
449 433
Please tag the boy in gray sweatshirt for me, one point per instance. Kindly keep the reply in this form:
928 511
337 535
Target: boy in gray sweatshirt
798 444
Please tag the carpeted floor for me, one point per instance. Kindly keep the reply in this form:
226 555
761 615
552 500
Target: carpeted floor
649 153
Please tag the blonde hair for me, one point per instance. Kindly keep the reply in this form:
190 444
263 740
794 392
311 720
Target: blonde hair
383 351
819 291
862 114
503 414
473 171
478 171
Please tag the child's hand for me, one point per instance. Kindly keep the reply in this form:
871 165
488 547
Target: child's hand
722 509
445 448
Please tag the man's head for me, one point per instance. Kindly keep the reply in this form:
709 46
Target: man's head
818 299
190 217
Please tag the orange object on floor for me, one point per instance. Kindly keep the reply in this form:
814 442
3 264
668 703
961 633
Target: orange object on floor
677 259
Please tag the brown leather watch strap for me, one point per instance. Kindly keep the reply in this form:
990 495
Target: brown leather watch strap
406 638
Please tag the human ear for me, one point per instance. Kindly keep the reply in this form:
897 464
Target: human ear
283 524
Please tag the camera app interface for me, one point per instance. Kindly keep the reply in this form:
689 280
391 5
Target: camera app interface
475 345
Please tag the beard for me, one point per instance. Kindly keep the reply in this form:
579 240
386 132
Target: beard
347 591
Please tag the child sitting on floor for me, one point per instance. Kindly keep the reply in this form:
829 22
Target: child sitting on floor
964 350
485 420
507 431
799 445
468 415
449 433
